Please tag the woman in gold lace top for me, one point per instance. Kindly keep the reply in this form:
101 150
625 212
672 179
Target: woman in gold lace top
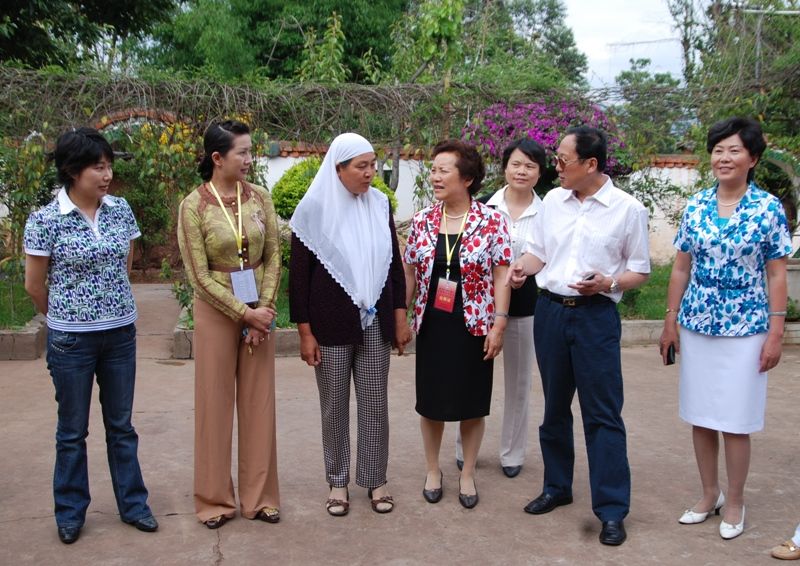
228 236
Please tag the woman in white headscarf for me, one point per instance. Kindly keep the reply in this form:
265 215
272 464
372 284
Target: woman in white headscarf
347 296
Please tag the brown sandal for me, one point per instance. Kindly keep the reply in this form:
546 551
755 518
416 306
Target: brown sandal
269 515
386 499
331 503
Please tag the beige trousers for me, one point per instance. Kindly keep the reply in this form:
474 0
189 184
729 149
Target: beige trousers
226 374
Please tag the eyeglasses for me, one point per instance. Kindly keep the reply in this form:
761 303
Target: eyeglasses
560 161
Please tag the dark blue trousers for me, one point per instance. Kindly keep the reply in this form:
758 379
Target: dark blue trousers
578 348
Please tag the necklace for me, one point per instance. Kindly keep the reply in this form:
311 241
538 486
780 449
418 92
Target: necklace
729 203
457 217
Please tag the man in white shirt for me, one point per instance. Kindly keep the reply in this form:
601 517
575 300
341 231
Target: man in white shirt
589 245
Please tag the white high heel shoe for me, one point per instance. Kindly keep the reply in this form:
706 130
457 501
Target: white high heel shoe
728 531
690 517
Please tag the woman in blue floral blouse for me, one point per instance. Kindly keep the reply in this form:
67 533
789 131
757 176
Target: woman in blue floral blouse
727 302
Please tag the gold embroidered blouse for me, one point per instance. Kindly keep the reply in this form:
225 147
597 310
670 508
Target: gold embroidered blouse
210 253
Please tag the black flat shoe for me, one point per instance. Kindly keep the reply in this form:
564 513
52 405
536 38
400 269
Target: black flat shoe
269 515
613 533
434 495
467 501
68 535
216 522
546 503
512 471
147 524
460 464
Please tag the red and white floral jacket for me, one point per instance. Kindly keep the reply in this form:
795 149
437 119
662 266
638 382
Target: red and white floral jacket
485 243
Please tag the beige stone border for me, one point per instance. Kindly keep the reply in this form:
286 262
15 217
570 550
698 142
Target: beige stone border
26 343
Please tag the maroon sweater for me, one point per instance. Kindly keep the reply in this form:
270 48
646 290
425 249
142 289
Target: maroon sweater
315 297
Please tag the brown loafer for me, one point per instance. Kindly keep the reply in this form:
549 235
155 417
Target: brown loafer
787 551
269 515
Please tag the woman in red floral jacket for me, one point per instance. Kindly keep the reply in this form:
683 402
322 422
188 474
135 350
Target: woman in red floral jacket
456 259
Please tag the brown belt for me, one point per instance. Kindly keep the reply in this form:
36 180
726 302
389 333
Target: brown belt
225 269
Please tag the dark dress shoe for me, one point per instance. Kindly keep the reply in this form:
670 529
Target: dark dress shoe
512 471
613 533
467 501
147 524
546 503
434 495
460 464
68 535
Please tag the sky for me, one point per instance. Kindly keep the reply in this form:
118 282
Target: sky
598 26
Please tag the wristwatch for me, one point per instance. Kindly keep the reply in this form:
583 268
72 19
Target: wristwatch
614 286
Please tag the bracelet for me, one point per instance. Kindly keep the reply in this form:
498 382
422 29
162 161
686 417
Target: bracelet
777 313
671 310
505 314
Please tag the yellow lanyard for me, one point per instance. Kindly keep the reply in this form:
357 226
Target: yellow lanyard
238 234
448 250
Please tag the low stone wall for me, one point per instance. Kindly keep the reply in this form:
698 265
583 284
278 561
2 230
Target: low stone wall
26 343
634 333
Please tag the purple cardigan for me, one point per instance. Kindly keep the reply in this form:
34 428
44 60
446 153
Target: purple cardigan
315 297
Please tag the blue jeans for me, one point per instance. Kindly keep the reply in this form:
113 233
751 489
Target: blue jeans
74 358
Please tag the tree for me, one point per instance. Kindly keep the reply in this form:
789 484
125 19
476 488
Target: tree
652 110
63 32
323 62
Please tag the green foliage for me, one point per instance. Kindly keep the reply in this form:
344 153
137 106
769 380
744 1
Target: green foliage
291 187
323 62
16 308
651 112
648 301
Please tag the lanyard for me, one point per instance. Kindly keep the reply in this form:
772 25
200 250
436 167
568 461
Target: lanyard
448 250
238 234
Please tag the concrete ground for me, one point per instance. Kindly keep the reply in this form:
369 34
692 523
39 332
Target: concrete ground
497 531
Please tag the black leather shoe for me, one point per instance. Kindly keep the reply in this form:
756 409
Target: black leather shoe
546 503
613 533
434 495
467 501
512 471
147 524
460 464
68 535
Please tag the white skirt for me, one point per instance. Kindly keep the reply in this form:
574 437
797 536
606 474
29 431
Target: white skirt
720 385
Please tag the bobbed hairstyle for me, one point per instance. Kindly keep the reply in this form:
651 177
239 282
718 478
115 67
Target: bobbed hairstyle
749 131
219 138
78 149
532 150
590 142
468 161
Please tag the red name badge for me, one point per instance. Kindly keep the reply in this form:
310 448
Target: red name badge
445 295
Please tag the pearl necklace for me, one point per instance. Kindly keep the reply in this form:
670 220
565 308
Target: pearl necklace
458 217
729 203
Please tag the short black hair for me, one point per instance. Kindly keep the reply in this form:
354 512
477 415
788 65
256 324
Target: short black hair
590 142
749 131
78 149
468 161
219 137
532 150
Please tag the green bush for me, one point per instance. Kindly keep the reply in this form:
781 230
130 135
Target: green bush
288 191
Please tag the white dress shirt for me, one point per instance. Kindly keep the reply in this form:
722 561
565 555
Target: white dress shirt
521 229
606 233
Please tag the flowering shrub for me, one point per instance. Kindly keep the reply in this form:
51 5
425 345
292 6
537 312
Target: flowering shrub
492 129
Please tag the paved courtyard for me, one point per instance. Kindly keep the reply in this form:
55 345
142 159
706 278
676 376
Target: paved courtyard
497 531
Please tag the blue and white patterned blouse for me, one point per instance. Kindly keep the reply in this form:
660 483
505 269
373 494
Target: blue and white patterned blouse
727 293
88 281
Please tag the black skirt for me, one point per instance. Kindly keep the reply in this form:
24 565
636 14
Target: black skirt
454 383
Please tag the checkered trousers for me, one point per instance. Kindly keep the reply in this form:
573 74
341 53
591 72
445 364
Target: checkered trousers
369 365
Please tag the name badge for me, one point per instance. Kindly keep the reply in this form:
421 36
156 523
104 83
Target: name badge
445 295
244 286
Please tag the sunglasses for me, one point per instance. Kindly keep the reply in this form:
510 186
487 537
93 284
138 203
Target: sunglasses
560 161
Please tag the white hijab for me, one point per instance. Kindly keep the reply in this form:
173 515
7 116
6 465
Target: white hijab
349 234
